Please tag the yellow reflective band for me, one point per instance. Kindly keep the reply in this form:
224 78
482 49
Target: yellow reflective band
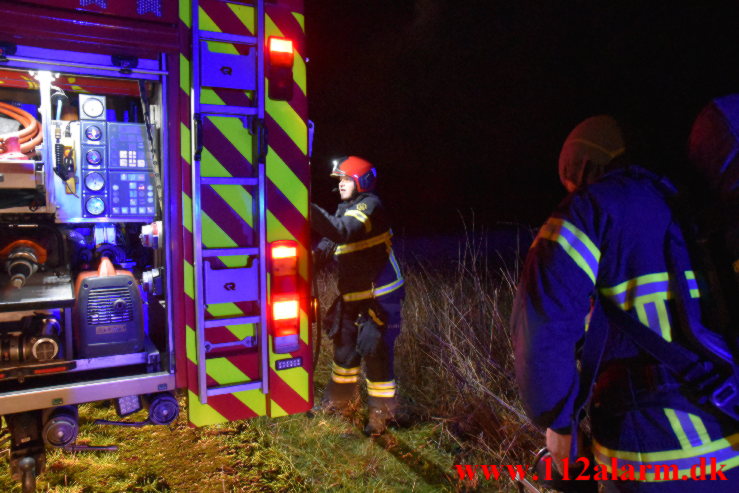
374 293
339 379
575 243
705 450
381 393
364 244
362 218
374 317
381 385
382 290
340 370
677 428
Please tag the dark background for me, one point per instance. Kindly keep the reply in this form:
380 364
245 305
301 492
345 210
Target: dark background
463 105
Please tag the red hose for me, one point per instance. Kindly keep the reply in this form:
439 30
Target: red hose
30 136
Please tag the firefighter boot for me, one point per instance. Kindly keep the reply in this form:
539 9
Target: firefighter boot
381 412
340 398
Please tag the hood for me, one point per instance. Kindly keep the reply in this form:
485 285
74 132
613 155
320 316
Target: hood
588 150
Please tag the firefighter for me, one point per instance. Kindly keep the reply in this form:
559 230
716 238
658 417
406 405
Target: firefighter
365 319
614 237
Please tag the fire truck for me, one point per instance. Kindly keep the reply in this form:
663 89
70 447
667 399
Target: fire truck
154 235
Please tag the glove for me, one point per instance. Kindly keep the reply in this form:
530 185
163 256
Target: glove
370 334
332 320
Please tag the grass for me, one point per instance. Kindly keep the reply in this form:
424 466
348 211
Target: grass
454 369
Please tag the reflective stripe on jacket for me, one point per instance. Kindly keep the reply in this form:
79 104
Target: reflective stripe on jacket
611 237
362 247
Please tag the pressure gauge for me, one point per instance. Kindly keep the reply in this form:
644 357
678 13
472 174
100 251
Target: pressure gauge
95 182
93 108
93 132
93 157
95 206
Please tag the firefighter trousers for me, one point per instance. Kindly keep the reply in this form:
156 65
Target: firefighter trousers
379 365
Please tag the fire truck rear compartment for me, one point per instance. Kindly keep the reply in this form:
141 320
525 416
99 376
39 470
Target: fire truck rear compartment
82 266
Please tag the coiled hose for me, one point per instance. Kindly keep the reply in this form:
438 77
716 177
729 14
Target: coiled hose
29 137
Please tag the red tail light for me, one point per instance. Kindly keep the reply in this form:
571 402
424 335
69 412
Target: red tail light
281 52
285 301
285 309
280 68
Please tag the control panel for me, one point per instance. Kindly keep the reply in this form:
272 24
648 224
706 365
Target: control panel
115 170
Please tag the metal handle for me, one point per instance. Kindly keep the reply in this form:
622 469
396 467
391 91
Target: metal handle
198 124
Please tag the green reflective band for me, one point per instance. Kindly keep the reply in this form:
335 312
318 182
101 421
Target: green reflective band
575 243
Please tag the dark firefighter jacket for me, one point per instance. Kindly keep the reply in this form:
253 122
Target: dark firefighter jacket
358 235
610 237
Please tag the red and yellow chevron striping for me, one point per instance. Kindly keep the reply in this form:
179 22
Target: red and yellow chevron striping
227 212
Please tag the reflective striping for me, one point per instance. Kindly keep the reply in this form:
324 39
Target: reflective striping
388 288
224 372
189 280
184 76
638 290
388 394
230 218
724 450
205 22
683 428
227 212
185 9
202 414
649 287
295 127
381 389
254 399
381 385
574 242
711 447
648 295
245 14
340 370
340 379
213 235
282 176
382 290
340 374
362 218
364 244
374 317
234 133
187 212
185 151
692 284
191 345
300 18
237 195
374 293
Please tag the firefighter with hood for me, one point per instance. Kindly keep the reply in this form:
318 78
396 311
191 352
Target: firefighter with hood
616 239
365 319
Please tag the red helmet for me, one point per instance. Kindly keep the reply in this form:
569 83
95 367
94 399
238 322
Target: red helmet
361 171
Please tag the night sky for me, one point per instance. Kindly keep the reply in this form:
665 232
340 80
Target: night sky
463 105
